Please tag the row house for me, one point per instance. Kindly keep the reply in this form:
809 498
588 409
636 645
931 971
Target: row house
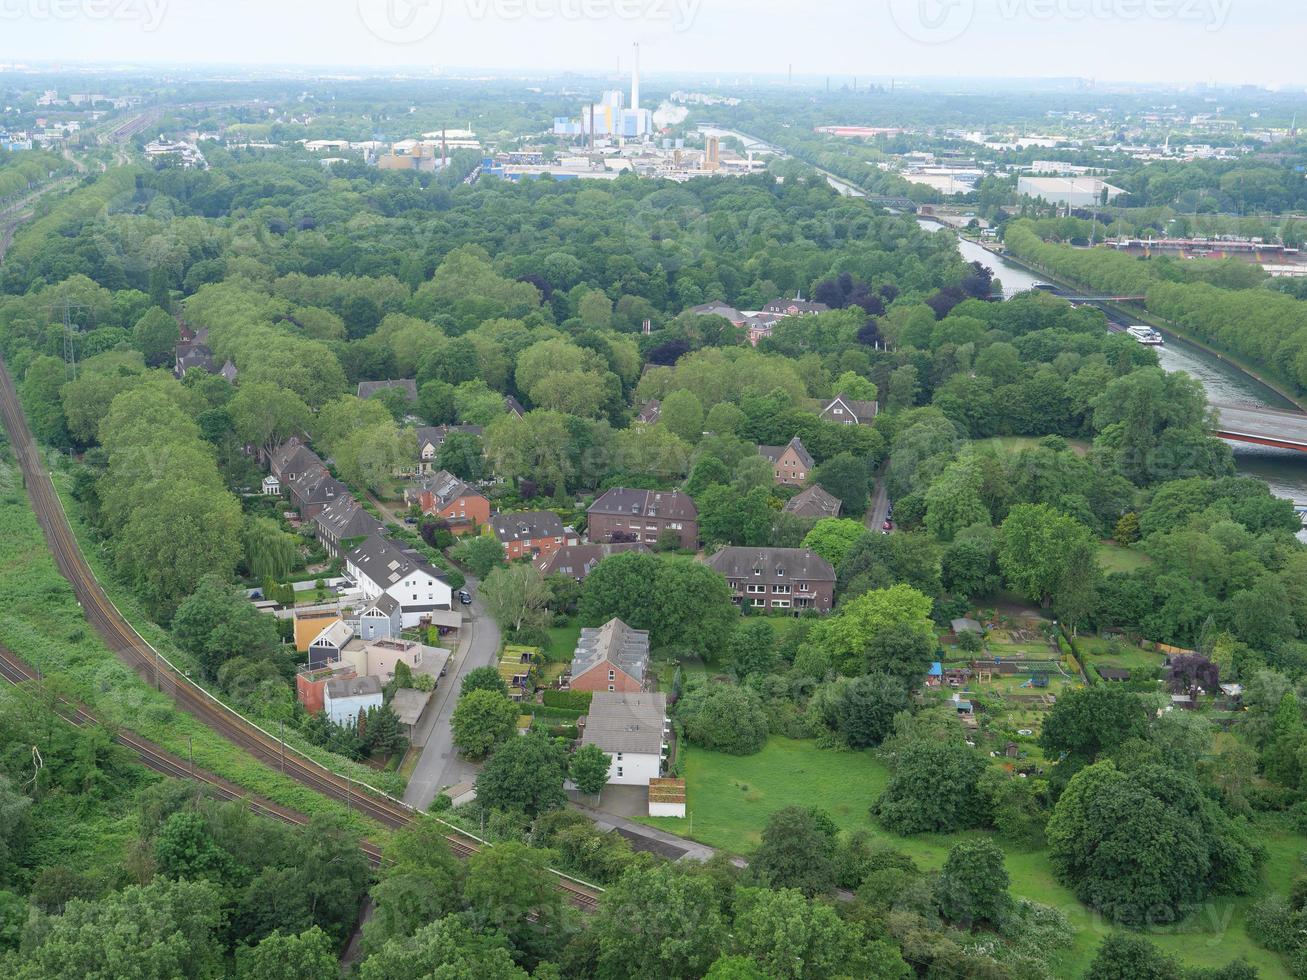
530 534
343 525
623 514
613 657
777 579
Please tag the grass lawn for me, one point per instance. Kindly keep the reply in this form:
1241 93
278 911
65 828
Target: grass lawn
562 642
1115 558
730 798
1014 444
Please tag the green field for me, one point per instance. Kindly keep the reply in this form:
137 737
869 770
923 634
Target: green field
562 642
1114 558
1015 444
730 798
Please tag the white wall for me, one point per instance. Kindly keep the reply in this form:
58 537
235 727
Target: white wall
345 711
637 769
667 810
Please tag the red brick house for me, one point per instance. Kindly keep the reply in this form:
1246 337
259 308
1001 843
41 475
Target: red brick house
791 463
777 579
613 657
442 494
530 534
621 514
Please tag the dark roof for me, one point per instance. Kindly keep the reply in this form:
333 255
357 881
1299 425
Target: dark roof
774 564
774 453
229 371
435 435
292 456
386 604
626 722
802 306
197 358
578 560
446 487
369 388
317 486
716 308
1114 673
650 412
346 518
614 643
349 687
813 502
527 525
514 406
667 504
383 561
862 411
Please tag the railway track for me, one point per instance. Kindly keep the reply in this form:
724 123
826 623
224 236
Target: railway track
134 651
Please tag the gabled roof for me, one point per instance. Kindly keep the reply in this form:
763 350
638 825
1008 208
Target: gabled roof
381 560
626 722
514 406
316 486
435 435
292 456
614 643
335 634
385 604
800 306
196 358
717 308
369 388
652 409
578 560
772 565
774 453
668 504
446 487
526 525
345 517
813 502
228 371
862 411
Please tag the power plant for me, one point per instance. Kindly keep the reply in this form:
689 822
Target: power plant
611 115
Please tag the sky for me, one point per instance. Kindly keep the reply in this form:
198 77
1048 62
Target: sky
1178 41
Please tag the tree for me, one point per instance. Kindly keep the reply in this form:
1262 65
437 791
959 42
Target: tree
954 501
483 679
482 719
728 516
264 414
480 553
1122 956
436 402
1146 845
445 948
510 889
832 537
797 850
463 455
658 923
216 623
973 887
419 882
42 382
1127 529
155 335
369 457
1188 672
1037 545
792 937
516 597
724 718
270 553
1085 722
865 708
525 774
309 955
588 769
682 413
847 637
752 648
933 789
847 477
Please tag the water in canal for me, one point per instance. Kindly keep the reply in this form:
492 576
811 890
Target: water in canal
1284 470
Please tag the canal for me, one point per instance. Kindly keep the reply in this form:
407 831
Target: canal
1283 470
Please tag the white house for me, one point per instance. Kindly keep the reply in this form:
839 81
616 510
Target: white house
381 568
632 729
345 698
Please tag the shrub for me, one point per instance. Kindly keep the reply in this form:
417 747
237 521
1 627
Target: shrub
572 700
724 718
441 803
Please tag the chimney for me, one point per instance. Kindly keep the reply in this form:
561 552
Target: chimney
635 80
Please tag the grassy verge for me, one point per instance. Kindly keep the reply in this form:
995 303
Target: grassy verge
41 622
730 798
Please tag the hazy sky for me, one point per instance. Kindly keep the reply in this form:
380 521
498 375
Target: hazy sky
1144 40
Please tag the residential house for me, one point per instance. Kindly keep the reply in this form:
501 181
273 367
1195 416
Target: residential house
795 307
379 658
579 560
380 619
622 514
444 495
346 698
431 437
513 407
849 411
791 463
632 730
292 459
228 371
192 353
329 644
613 657
314 490
718 308
530 533
381 567
813 502
760 325
343 525
407 386
311 685
309 624
650 412
777 579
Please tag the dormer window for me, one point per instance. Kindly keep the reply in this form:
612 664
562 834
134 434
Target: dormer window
780 573
757 571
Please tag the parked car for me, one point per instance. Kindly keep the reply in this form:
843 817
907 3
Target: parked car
887 526
465 597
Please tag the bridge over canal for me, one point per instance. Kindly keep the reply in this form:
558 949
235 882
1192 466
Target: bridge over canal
1262 426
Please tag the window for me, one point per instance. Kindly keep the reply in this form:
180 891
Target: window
803 586
757 571
612 675
619 772
757 588
781 589
611 688
758 603
781 603
780 573
619 757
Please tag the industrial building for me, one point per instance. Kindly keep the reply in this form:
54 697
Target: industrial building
1075 192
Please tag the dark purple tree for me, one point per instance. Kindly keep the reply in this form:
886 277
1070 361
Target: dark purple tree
1189 671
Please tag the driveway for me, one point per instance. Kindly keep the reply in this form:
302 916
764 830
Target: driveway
440 764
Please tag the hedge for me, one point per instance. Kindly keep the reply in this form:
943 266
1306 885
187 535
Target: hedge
572 700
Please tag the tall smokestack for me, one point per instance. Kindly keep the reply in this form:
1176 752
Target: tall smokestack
635 79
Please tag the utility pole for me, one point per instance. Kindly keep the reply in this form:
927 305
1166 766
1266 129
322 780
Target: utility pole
64 311
283 748
190 753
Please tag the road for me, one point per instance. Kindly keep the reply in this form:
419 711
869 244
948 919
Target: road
440 764
879 508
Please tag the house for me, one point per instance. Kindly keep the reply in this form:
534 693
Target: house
813 502
444 495
346 698
343 525
380 657
513 407
621 514
667 797
407 386
530 533
760 326
271 486
613 657
795 307
849 411
381 568
380 619
228 371
311 685
718 308
431 437
309 623
650 413
632 731
292 459
329 644
578 560
196 357
777 579
312 491
791 463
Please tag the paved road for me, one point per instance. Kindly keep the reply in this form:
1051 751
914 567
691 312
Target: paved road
1263 425
440 764
879 504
